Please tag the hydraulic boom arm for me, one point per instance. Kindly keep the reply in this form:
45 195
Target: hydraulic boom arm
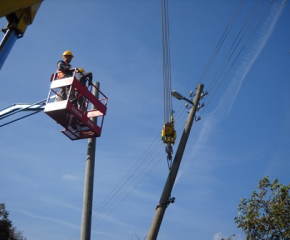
19 15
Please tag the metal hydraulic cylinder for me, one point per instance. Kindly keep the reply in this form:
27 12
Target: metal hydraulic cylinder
6 45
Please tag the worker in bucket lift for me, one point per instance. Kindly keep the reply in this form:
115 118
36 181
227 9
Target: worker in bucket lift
83 77
63 71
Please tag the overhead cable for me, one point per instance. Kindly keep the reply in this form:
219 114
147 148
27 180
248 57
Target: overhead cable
221 41
219 80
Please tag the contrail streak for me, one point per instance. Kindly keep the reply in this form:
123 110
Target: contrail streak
226 102
252 56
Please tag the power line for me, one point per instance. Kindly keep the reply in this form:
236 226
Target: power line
138 172
222 39
132 179
232 49
236 49
143 166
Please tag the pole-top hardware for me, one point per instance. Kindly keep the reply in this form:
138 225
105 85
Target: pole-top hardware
171 200
177 95
197 119
203 94
200 106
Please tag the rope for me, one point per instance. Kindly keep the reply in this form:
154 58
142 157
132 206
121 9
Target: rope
166 62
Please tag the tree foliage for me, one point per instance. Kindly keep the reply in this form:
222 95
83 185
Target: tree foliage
266 215
7 231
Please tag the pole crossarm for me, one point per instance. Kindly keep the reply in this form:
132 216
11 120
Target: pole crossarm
165 197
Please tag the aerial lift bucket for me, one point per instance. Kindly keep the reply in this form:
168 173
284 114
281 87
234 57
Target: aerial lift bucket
77 122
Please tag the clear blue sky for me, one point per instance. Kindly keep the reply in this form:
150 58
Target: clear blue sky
242 137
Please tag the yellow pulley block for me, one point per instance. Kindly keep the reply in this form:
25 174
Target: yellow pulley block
168 134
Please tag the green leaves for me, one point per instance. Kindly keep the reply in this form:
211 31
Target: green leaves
266 214
7 231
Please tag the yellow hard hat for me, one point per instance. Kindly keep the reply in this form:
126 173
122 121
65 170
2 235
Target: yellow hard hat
67 53
81 70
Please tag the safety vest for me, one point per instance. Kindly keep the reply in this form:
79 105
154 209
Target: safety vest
62 74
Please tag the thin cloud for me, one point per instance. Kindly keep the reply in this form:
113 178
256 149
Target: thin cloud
53 200
217 236
32 215
70 178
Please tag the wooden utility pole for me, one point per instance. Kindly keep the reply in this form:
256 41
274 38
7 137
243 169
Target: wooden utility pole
165 197
89 180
